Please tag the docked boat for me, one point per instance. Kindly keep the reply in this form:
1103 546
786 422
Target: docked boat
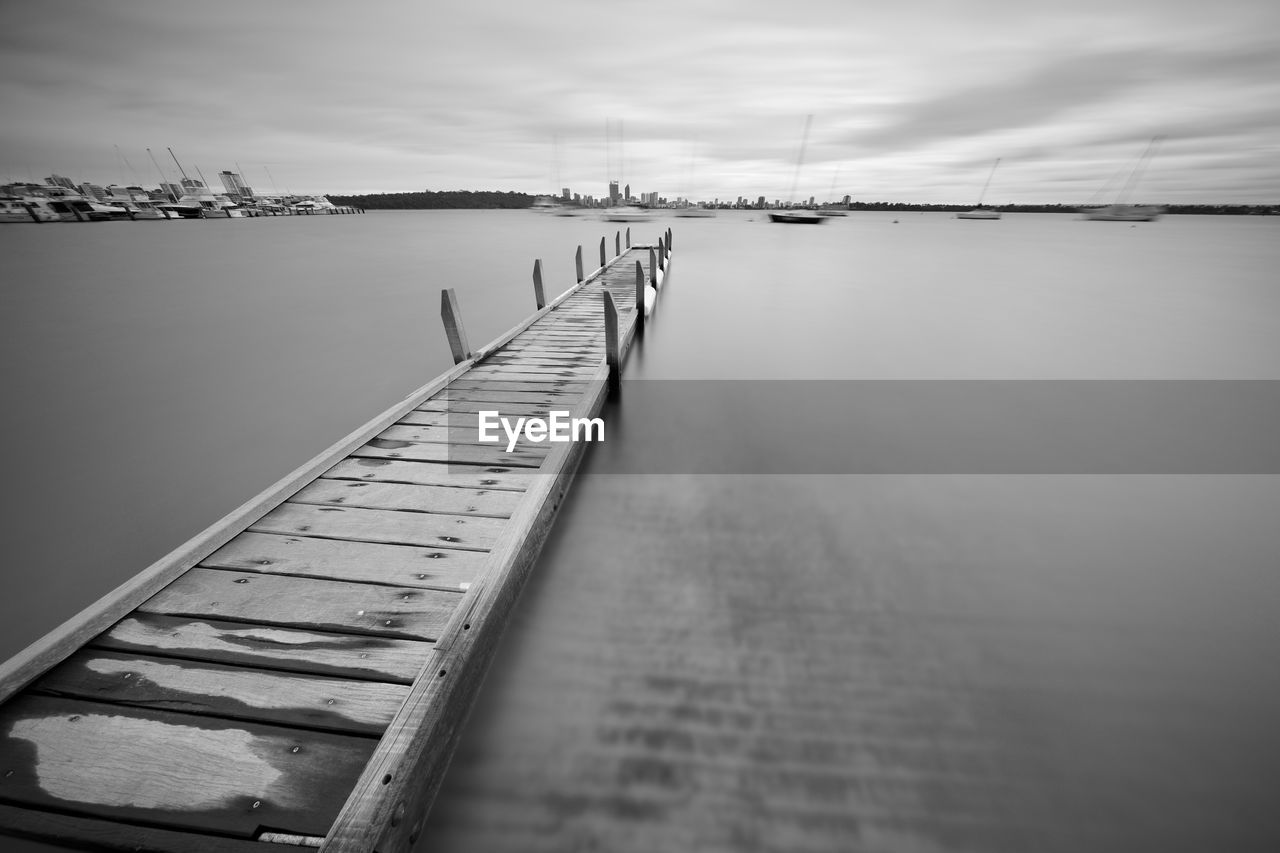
627 213
1123 213
797 217
15 209
980 212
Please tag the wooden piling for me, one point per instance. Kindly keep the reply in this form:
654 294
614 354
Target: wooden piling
452 316
611 352
539 296
662 255
577 261
653 268
603 257
617 243
639 296
628 236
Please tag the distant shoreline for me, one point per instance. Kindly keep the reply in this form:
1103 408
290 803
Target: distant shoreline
493 200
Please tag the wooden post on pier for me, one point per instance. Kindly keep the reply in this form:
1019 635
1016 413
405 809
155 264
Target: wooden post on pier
578 262
668 241
617 243
628 236
662 255
602 255
452 316
639 297
539 297
653 268
611 352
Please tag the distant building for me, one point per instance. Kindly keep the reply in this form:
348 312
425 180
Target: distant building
564 193
235 185
626 193
613 192
760 202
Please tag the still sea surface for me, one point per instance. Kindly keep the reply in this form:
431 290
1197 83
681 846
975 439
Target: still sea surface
738 660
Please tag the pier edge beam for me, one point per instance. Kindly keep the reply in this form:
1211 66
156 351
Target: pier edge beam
539 295
451 314
612 354
577 259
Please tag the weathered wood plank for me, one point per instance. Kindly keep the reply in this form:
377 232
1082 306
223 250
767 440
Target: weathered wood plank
403 496
454 455
467 431
532 396
387 526
554 386
174 770
323 605
346 655
88 833
433 473
358 562
234 692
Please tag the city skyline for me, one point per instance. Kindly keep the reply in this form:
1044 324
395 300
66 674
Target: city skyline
910 104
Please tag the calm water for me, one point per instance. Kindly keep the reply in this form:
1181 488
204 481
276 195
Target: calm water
735 661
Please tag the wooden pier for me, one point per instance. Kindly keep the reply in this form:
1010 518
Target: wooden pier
299 673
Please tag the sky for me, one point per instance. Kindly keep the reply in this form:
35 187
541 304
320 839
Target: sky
910 101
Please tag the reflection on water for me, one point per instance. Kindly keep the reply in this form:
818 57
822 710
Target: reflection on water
900 663
724 662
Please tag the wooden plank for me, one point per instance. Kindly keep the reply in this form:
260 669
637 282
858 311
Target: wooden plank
456 455
316 605
290 649
553 386
97 834
375 525
388 806
460 429
233 692
411 498
358 562
174 770
532 395
433 473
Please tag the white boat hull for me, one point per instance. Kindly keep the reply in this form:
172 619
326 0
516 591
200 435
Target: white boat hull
978 213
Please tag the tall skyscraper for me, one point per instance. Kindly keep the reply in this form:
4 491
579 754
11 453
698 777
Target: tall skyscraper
613 192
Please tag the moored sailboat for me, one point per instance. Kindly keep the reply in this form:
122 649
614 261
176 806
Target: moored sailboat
980 212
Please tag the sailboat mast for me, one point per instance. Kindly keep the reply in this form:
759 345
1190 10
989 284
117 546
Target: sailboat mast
175 159
163 180
1138 169
988 183
804 139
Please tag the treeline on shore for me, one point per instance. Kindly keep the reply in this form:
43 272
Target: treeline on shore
493 200
430 200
